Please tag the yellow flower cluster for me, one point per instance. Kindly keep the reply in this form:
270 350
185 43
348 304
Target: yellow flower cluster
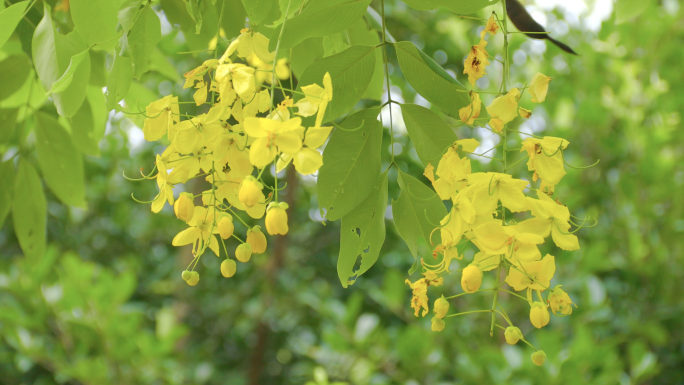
481 208
230 145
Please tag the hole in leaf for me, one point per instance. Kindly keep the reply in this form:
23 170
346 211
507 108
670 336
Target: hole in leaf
357 231
366 250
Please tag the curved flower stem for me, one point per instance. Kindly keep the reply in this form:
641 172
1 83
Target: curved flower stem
462 294
469 312
517 295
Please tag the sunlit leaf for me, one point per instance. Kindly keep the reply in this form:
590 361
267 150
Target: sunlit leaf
96 21
429 134
29 212
319 18
9 19
14 72
430 80
363 233
416 212
59 160
351 72
7 178
351 164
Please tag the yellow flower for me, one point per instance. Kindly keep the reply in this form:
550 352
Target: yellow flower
242 78
491 187
560 301
441 307
458 221
198 73
264 73
307 160
420 299
471 278
525 113
184 207
495 239
200 95
250 191
316 99
513 335
505 107
226 226
256 239
273 137
476 62
200 232
497 124
534 275
247 43
539 315
243 252
165 183
437 324
539 357
469 113
491 27
162 114
191 135
546 159
550 218
452 171
539 86
228 268
276 218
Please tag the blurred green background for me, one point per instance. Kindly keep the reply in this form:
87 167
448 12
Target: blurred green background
106 305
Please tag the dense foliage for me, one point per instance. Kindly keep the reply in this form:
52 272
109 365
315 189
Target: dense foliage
102 301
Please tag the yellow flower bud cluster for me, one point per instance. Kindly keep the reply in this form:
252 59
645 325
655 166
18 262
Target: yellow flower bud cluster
482 204
239 135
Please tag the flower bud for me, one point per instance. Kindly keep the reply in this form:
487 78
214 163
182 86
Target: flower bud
437 324
539 357
471 278
513 335
243 252
193 278
186 275
250 191
226 226
539 315
256 239
276 219
184 207
560 301
441 307
228 268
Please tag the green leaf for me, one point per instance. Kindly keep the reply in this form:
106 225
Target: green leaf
628 9
416 211
9 19
52 53
463 7
14 72
63 82
59 160
29 212
7 178
257 10
119 81
162 65
430 80
193 7
351 164
351 71
334 44
304 54
142 40
421 5
8 120
96 21
430 135
234 16
319 18
87 125
283 4
359 34
363 233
